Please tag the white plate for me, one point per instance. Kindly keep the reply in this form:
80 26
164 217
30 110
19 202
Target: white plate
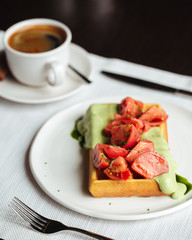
60 166
13 90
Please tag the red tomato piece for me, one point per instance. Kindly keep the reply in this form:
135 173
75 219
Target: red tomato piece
154 116
120 134
124 121
150 165
118 169
118 116
131 107
146 126
131 120
126 136
109 127
113 123
99 158
137 123
118 120
141 147
133 138
114 151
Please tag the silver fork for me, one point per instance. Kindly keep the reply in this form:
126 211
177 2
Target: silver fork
43 224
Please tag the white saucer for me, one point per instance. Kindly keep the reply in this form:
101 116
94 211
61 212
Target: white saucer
13 90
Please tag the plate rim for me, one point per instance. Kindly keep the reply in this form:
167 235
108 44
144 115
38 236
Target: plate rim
147 215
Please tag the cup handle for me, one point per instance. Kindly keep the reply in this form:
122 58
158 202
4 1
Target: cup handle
54 73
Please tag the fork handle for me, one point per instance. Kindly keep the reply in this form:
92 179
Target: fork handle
94 235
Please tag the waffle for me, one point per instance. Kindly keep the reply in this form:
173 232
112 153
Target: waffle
100 186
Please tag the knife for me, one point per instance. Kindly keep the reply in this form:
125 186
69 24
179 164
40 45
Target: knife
144 83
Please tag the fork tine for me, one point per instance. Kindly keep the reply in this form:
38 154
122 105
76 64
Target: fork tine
29 210
37 221
27 213
21 214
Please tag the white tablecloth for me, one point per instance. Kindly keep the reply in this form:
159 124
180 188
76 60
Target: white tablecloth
18 125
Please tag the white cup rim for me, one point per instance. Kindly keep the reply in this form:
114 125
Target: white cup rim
36 21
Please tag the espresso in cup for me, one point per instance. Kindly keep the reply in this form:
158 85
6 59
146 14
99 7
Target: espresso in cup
37 38
37 51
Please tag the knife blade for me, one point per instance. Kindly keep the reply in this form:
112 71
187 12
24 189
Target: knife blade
144 83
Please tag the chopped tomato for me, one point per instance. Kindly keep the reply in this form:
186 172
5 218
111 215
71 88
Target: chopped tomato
131 120
137 123
109 127
117 122
150 165
114 151
120 134
131 107
118 169
126 136
124 121
141 147
99 158
146 126
113 123
133 138
118 116
154 116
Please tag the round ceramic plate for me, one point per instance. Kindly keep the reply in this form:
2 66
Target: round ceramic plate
60 166
13 90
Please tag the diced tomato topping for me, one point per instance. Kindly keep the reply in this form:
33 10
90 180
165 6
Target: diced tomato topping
120 134
131 120
113 123
114 151
118 116
126 136
141 147
133 138
131 107
99 158
150 165
124 121
125 132
154 116
109 127
118 169
146 126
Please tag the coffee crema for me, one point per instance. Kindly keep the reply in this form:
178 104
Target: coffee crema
37 38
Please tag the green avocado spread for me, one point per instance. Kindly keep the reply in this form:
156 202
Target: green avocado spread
89 130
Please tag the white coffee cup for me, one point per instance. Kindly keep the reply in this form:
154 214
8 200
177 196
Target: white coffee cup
38 69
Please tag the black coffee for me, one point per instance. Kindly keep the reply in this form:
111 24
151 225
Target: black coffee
37 38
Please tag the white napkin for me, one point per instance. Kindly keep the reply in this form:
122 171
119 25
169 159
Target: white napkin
169 79
19 125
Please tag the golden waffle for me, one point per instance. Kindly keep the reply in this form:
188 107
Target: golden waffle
100 186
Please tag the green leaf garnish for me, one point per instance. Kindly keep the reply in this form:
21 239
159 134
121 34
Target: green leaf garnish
183 180
76 134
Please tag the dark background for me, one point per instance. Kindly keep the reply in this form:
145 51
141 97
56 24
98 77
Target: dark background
153 33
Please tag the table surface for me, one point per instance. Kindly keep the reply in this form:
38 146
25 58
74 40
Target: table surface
153 34
157 34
